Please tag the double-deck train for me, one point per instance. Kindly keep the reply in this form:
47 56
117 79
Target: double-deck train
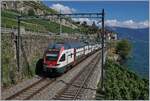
60 57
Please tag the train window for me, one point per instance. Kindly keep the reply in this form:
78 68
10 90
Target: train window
62 58
51 57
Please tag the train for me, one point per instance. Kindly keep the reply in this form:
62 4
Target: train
60 57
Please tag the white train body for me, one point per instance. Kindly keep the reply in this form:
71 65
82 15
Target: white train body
58 59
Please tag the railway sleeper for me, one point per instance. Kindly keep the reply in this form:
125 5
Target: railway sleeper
68 97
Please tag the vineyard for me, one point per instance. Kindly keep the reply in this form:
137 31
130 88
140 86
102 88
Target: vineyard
120 84
9 20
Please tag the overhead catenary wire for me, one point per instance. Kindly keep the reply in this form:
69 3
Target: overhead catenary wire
72 15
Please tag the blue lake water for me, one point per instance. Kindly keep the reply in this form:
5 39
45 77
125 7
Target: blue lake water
139 61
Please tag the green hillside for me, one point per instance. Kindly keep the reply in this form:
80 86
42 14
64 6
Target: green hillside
9 20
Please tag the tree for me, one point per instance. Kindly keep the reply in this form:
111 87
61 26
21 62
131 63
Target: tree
31 12
123 48
84 24
94 27
78 22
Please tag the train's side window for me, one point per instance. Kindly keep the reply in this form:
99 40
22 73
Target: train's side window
62 58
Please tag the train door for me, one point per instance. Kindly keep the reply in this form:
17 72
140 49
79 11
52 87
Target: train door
63 60
70 56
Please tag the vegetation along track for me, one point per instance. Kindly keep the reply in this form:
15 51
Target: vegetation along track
76 87
31 90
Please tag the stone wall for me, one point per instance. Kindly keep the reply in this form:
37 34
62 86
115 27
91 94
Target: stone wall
32 48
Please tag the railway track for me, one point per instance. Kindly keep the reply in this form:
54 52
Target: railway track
35 88
77 85
31 90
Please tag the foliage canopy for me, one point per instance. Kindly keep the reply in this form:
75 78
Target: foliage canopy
123 48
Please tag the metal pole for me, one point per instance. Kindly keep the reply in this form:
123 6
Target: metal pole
60 26
60 23
102 35
18 45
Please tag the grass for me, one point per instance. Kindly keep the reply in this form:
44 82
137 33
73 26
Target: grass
51 26
9 14
9 19
9 23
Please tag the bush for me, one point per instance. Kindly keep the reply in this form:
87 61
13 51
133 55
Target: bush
120 83
123 48
31 12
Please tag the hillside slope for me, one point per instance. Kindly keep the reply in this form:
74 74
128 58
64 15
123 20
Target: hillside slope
9 20
121 84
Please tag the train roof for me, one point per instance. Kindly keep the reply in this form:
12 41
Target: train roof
67 45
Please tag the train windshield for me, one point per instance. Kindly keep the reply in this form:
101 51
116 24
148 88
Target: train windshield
52 56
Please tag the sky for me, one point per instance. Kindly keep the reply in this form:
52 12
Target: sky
131 14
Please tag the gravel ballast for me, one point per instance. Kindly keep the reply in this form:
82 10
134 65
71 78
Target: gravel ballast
57 85
61 82
8 92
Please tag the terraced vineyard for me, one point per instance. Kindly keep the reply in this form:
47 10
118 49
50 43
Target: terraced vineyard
9 20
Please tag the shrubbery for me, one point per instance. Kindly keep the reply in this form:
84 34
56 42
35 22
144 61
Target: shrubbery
31 12
123 49
123 84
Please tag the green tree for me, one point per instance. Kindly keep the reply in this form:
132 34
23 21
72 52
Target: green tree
123 48
31 12
93 28
84 24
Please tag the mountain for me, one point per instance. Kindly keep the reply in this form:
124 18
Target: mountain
139 61
131 34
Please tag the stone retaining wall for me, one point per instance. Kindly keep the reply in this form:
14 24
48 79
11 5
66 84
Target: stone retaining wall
32 48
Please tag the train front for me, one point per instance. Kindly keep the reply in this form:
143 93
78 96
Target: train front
51 59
